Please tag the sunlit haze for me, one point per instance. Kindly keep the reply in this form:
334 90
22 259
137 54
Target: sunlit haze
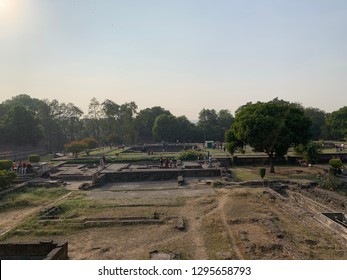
183 55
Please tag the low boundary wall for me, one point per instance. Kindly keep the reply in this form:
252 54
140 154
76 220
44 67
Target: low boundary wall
34 251
155 175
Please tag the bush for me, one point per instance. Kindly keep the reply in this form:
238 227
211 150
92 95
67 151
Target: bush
189 155
90 142
330 183
75 147
6 178
262 172
5 164
310 152
336 163
34 158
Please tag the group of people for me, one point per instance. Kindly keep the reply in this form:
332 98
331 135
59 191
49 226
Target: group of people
166 162
22 168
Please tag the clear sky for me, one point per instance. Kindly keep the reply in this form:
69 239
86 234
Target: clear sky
183 55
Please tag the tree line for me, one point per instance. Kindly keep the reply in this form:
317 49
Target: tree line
30 121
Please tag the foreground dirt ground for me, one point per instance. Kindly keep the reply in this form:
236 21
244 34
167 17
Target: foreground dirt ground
234 222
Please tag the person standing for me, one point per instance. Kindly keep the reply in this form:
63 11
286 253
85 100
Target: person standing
24 168
210 162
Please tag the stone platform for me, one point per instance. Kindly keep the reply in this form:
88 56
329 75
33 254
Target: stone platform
133 173
78 172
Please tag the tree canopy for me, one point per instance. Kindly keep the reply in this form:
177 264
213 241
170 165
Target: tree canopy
213 124
270 127
144 122
51 123
318 118
337 124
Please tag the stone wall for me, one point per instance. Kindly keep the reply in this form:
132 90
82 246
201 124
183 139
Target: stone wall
157 175
255 160
159 148
34 251
263 160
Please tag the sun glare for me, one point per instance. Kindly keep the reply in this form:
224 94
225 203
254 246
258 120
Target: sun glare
3 4
8 6
10 12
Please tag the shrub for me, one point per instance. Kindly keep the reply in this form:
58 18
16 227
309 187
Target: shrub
90 142
336 163
189 155
310 152
262 172
330 183
6 178
5 164
34 158
75 147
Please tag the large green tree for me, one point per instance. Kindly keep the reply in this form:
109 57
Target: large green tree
171 129
144 122
127 114
212 124
93 121
165 128
317 117
31 104
337 124
37 118
208 124
69 119
270 127
54 136
185 129
22 127
111 112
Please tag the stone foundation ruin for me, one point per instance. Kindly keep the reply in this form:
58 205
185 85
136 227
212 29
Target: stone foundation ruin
126 172
44 250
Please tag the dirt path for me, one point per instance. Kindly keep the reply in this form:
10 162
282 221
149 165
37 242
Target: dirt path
9 220
222 200
194 228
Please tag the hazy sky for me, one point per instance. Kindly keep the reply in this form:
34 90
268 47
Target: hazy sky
183 55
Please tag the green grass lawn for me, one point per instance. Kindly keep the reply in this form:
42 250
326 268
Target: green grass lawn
29 197
282 172
333 151
47 157
95 152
